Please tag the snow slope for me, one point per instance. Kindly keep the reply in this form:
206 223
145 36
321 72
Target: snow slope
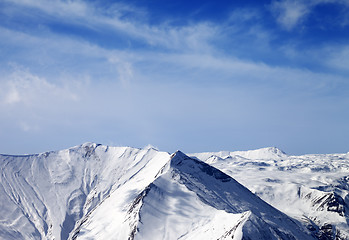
311 188
45 196
190 200
99 192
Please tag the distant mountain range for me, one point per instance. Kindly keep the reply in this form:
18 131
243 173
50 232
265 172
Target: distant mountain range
93 191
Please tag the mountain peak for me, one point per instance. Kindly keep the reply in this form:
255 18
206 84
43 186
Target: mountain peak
275 150
90 145
178 156
262 153
150 147
222 192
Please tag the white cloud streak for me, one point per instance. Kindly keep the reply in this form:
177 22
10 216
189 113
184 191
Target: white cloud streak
194 51
193 37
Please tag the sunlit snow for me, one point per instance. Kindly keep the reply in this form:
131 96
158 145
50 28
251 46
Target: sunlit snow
93 191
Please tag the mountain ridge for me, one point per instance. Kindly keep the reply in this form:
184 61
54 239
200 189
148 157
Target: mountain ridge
311 188
77 192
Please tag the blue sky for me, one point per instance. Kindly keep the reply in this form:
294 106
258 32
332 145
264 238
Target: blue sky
190 75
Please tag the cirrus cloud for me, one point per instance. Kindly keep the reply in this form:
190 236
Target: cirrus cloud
23 87
291 13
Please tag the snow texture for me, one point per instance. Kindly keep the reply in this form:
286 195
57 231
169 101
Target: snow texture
93 191
311 188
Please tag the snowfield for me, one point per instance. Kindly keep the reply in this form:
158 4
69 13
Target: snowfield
93 191
311 188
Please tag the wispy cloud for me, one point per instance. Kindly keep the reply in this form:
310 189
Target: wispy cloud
338 57
292 13
22 87
114 18
189 50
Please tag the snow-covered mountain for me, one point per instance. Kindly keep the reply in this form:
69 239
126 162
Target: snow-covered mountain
99 192
49 195
311 188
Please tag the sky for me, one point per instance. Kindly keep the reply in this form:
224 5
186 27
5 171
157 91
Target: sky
190 75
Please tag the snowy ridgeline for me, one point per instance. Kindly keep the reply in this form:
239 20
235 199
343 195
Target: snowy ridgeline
99 192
